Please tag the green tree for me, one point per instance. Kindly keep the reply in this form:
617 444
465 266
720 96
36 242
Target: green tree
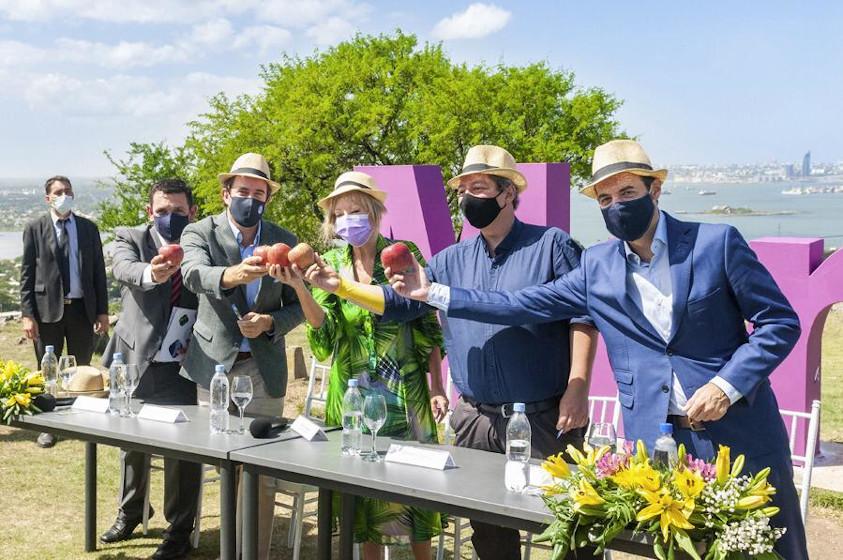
143 165
384 100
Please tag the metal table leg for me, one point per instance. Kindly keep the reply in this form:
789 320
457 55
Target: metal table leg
228 503
324 522
347 527
250 513
90 497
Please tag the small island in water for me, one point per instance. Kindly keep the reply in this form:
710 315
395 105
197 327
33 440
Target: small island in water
725 210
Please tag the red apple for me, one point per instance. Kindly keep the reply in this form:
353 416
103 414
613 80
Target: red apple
278 254
172 253
302 256
262 251
398 258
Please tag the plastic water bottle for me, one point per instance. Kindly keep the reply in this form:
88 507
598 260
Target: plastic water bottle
352 419
50 369
219 401
115 392
518 436
448 435
665 453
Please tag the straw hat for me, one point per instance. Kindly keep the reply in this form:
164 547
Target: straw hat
87 380
351 181
251 165
620 156
490 160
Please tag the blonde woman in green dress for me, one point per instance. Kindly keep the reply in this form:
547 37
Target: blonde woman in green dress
390 359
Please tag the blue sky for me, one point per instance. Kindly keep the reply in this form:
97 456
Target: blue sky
715 82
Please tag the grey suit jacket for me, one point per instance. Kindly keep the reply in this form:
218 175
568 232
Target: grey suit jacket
145 310
210 247
41 289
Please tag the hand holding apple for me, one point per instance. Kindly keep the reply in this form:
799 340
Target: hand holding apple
398 258
302 256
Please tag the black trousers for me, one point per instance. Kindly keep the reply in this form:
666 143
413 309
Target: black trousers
479 430
162 384
73 327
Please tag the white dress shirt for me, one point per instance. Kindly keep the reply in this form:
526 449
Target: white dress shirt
651 287
75 291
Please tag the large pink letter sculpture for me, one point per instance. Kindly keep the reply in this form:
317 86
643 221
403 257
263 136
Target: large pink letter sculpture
418 211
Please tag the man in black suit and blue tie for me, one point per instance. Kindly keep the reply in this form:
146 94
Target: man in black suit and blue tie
62 280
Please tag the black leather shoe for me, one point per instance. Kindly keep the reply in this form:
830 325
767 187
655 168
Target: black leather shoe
46 440
122 528
172 550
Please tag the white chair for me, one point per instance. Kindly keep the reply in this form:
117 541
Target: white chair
792 420
304 494
600 409
461 525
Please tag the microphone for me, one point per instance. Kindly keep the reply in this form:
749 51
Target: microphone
45 402
264 428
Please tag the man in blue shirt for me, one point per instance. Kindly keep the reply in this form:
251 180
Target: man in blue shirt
547 367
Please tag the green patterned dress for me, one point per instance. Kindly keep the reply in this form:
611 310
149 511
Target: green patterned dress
390 359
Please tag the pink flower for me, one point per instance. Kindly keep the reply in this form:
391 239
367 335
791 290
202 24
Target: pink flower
610 463
705 470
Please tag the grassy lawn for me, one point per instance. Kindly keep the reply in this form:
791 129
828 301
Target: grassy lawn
42 489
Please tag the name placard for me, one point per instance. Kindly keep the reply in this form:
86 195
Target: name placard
90 404
162 414
308 429
420 457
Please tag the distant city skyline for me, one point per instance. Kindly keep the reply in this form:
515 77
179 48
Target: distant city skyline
710 84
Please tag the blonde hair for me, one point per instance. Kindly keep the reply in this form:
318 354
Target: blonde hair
369 204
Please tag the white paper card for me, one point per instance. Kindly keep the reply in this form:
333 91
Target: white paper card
162 414
90 404
174 345
308 429
420 457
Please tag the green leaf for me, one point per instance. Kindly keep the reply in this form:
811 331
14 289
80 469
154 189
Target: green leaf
685 543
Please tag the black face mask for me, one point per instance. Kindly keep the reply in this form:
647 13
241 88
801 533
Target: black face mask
171 225
246 211
480 212
630 219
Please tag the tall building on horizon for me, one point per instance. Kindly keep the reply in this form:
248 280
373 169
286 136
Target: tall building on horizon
806 164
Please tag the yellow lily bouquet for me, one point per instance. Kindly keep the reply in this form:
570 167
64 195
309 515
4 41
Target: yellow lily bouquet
690 506
18 389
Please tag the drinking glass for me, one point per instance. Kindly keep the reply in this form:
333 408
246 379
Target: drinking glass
241 396
602 433
67 369
132 377
374 416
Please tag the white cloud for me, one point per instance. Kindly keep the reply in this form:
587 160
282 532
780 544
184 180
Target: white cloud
478 20
211 32
121 11
302 13
331 31
265 37
135 97
124 54
15 53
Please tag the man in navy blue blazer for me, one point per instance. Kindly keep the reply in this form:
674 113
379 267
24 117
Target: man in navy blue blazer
671 299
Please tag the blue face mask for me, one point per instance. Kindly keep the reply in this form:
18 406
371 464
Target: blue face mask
354 228
171 225
629 220
246 211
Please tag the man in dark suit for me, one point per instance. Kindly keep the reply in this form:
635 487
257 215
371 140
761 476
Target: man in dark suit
62 280
243 313
152 292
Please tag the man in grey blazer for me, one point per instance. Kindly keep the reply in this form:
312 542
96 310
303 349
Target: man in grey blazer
152 290
243 313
